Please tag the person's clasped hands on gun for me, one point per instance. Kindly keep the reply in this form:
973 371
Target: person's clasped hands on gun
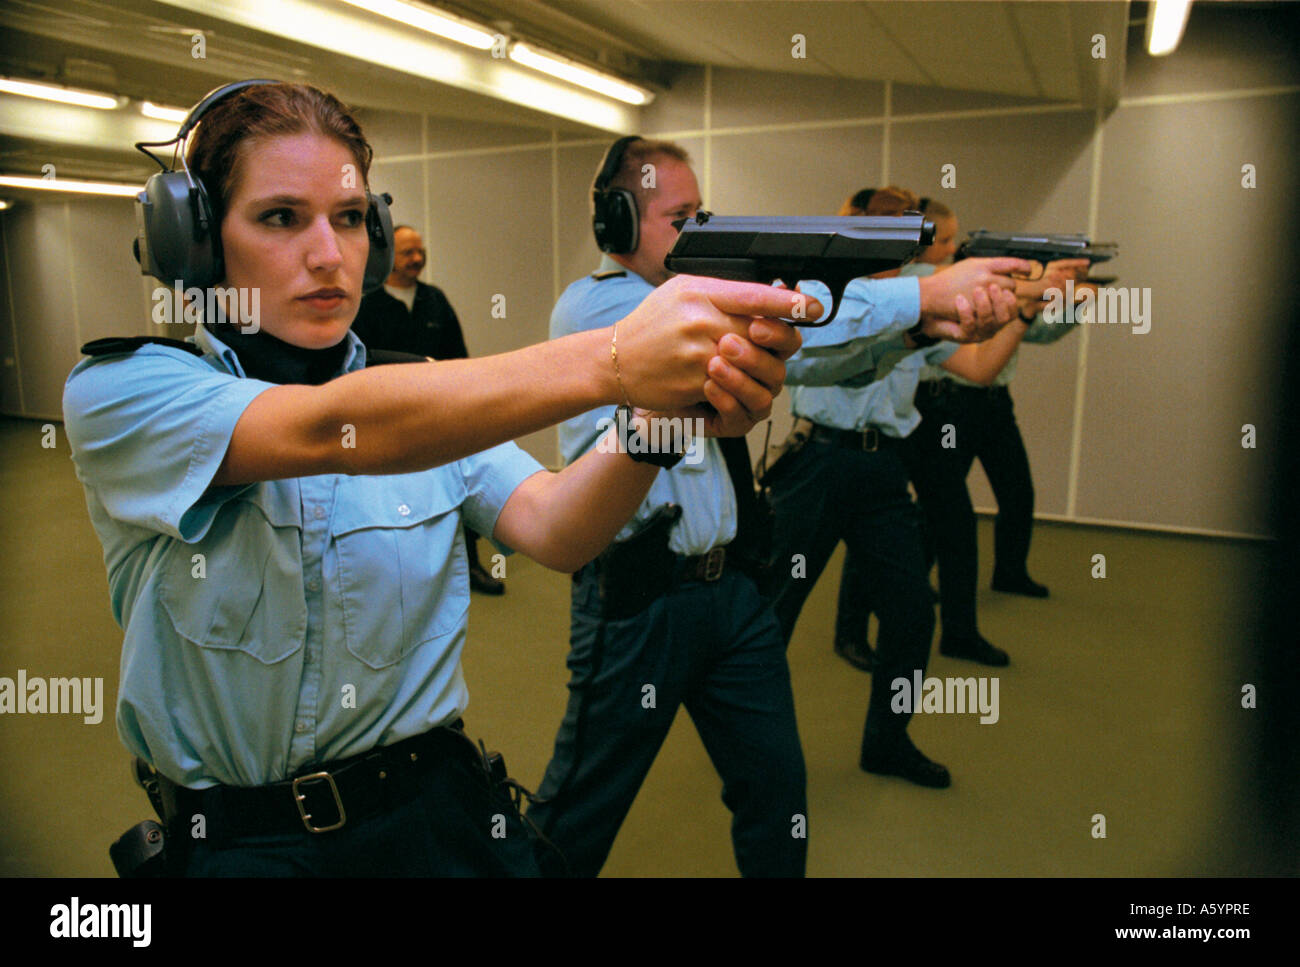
691 325
971 300
281 524
1034 294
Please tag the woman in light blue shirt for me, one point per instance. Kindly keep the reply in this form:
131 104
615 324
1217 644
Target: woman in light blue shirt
282 525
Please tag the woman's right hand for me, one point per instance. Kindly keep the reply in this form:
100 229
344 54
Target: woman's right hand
970 300
666 345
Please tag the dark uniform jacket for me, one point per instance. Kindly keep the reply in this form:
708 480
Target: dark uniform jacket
430 328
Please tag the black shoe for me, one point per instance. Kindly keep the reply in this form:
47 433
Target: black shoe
901 758
860 656
1022 585
481 581
974 649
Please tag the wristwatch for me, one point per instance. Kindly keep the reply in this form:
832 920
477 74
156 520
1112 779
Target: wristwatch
919 338
639 449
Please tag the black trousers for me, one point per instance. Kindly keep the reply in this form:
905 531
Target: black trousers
1002 454
826 493
983 426
714 649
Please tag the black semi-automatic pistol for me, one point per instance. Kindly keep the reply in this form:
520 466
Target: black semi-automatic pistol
1042 249
832 250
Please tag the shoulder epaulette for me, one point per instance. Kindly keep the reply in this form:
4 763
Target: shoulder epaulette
609 274
129 344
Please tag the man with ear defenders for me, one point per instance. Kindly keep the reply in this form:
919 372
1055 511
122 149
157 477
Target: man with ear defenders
670 614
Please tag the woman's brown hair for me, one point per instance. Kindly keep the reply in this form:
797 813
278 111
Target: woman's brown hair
266 111
881 201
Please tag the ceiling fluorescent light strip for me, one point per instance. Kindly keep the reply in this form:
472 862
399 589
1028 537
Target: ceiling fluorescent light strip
159 113
64 184
433 21
1165 22
51 92
567 70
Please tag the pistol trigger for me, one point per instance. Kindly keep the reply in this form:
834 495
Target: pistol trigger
837 287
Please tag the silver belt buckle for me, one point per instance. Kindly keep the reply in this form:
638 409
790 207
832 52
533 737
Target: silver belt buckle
873 435
299 798
713 563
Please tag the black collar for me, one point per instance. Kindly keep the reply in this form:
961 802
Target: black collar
264 357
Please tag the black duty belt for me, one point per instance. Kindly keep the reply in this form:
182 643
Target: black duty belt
939 388
701 567
633 574
935 388
868 440
326 798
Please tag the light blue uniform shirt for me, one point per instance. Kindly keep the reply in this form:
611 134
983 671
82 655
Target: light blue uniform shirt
860 374
277 624
890 402
703 490
872 312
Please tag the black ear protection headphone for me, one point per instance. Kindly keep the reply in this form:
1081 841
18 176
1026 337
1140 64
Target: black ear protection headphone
862 199
178 238
614 216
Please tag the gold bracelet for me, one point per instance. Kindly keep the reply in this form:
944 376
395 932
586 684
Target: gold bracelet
613 354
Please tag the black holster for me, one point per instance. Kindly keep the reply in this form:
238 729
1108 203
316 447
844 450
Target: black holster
143 850
778 456
551 861
634 573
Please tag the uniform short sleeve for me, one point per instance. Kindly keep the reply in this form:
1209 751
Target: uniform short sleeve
490 478
148 433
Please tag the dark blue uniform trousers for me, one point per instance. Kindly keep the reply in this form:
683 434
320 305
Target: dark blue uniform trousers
826 493
985 426
715 648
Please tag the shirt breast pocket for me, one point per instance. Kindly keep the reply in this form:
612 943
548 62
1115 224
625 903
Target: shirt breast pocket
401 571
240 588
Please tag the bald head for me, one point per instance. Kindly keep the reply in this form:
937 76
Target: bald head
408 257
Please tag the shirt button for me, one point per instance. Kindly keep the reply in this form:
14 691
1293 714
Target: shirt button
319 513
300 726
313 585
404 510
